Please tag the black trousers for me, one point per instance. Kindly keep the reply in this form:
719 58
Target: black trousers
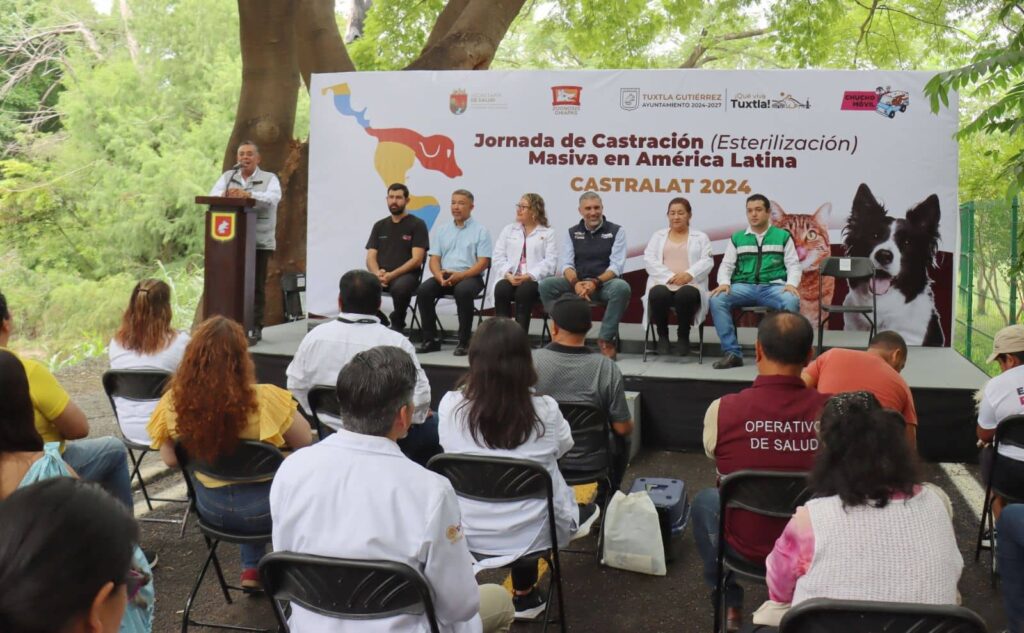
685 301
524 575
259 298
401 290
525 295
465 293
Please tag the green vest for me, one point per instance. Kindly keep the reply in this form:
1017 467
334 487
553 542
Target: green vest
762 264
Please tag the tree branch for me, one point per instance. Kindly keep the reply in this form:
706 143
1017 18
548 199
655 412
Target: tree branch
472 40
706 45
445 21
318 43
130 41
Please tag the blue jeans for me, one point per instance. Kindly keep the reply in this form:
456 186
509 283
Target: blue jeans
1010 552
103 460
614 294
742 295
243 508
705 509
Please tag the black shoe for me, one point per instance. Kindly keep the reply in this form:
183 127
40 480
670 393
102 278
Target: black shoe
728 361
398 327
254 336
461 349
663 349
431 345
589 515
683 348
151 557
529 606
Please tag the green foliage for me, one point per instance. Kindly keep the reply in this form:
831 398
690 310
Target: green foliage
394 33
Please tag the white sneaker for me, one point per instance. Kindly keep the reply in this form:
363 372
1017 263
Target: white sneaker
588 516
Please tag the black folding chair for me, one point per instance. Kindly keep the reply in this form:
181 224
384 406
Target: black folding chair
345 588
591 459
845 268
649 336
478 310
821 615
141 386
765 492
292 287
1009 431
251 462
323 399
504 479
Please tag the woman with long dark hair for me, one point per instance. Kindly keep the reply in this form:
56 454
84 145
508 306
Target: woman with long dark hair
66 552
26 460
145 340
494 412
212 403
872 531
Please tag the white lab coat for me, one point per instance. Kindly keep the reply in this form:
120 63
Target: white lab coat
701 263
510 529
541 253
358 496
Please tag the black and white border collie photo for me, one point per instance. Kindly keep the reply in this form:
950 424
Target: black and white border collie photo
902 251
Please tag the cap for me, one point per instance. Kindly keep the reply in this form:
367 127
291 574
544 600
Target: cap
1008 340
572 313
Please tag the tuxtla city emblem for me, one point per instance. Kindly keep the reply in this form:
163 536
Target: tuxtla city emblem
629 98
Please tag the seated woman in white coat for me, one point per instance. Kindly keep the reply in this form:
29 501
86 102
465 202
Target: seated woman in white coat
145 341
678 261
494 412
524 253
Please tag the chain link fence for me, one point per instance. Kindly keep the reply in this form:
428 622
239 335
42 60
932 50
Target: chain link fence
988 292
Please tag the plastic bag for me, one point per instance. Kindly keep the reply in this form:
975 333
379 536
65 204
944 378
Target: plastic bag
632 535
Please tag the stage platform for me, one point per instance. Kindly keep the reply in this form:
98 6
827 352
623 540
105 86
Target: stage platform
675 392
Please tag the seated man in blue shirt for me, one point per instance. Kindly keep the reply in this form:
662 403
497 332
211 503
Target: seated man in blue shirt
593 255
459 253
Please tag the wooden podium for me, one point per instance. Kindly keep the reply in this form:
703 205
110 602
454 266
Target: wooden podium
230 260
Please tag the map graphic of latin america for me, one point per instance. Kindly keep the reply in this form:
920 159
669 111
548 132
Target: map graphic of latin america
398 149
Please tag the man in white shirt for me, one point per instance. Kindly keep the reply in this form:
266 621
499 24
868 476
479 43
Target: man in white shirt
760 268
247 180
329 346
1002 397
381 506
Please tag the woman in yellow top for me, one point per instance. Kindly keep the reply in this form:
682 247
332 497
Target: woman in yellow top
212 403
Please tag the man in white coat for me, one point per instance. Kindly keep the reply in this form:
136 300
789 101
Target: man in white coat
370 502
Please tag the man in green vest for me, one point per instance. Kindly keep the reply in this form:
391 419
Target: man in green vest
760 268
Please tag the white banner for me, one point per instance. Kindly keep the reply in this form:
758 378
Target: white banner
817 143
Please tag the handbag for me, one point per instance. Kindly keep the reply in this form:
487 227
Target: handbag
632 535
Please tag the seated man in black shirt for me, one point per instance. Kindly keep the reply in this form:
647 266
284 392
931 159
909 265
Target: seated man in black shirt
395 253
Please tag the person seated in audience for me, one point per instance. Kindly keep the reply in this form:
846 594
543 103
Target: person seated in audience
57 419
678 261
493 411
459 256
876 371
212 402
872 531
1010 562
145 341
66 559
26 460
330 346
524 253
760 267
569 371
593 259
372 503
736 439
1001 398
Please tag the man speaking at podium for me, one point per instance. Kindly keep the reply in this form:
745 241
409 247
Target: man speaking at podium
247 180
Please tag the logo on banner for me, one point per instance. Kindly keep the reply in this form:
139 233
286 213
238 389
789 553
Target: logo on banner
458 101
761 101
222 226
885 101
566 99
629 98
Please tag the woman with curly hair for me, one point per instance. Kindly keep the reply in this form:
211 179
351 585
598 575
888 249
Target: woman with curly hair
213 402
872 531
524 253
145 340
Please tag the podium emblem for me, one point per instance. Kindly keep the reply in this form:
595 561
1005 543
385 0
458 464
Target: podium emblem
222 226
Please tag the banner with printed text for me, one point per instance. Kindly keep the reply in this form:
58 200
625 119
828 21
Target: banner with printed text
854 163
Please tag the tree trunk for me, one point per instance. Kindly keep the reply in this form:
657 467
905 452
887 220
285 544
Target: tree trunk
473 38
290 256
270 81
318 42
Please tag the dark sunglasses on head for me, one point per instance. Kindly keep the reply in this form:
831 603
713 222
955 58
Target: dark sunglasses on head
134 582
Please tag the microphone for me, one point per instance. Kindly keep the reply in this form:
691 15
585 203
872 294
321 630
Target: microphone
234 171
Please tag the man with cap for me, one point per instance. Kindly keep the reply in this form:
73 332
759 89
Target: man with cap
1002 397
569 371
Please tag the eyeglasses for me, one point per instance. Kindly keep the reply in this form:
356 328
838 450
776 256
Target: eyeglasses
522 206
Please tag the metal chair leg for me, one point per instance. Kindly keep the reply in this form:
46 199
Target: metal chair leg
700 352
186 614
